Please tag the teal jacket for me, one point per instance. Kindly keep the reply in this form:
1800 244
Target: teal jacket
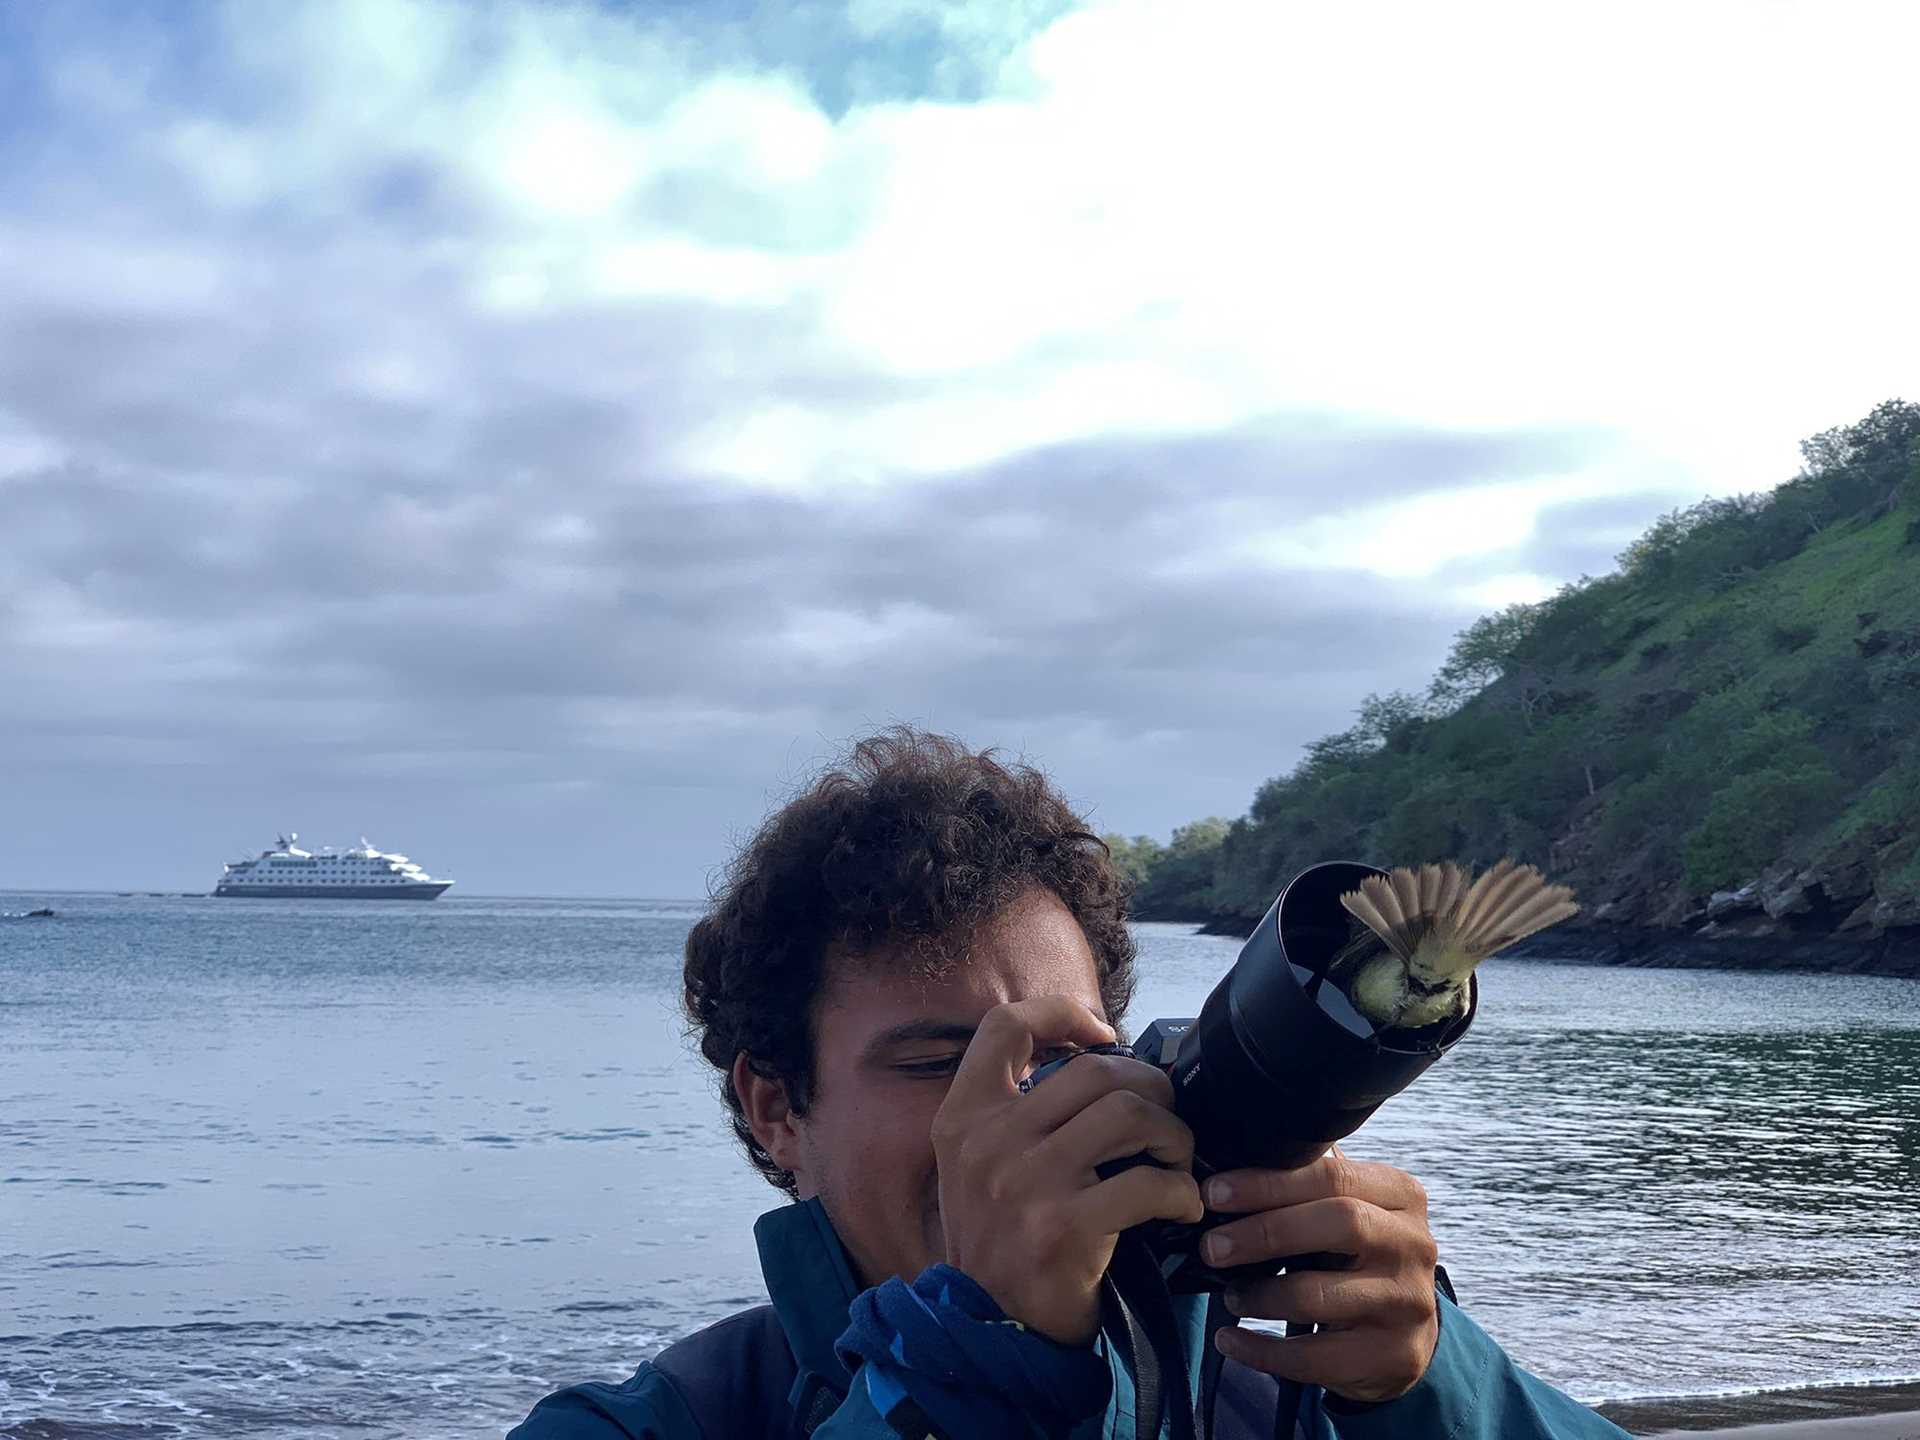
1471 1390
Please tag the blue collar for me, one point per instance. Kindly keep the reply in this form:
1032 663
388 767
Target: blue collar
811 1285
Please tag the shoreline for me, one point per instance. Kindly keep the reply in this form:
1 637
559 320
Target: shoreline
1884 1410
1895 956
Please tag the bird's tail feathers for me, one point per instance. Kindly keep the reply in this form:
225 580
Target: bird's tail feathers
1467 923
1505 905
1402 906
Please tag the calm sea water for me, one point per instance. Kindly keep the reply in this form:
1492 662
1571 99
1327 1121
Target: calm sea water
284 1168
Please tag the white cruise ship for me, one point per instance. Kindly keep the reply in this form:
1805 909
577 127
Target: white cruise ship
287 872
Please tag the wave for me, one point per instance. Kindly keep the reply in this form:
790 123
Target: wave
48 1429
1748 1392
388 1320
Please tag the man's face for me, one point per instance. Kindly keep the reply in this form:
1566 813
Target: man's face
886 1046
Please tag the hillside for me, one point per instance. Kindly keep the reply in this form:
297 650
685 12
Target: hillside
1720 741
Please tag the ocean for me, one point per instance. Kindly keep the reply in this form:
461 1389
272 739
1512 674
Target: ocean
285 1168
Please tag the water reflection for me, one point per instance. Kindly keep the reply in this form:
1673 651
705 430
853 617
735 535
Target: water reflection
274 1167
1726 1184
1651 1181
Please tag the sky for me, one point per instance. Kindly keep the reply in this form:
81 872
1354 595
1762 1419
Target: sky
537 436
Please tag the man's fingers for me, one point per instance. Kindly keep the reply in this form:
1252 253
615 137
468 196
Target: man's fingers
1072 1088
1360 1364
1146 1192
1329 1297
1293 1357
1325 1357
1330 1177
1003 1045
1114 1126
1343 1226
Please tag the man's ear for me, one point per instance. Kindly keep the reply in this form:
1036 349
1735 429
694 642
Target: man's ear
769 1113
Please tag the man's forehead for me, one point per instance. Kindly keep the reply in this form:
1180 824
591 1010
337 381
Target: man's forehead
1029 948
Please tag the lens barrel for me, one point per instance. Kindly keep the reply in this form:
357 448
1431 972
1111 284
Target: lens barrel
1279 1064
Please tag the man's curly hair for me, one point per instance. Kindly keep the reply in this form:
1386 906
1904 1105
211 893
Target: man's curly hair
896 855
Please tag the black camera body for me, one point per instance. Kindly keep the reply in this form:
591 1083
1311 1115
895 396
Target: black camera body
1278 1064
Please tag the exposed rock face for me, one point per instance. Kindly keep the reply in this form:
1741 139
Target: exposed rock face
1737 946
1723 903
1820 912
1787 891
1804 912
1895 914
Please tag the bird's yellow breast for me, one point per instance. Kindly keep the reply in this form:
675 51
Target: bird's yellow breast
1380 989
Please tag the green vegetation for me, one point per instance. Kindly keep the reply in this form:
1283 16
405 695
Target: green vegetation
1740 698
1181 872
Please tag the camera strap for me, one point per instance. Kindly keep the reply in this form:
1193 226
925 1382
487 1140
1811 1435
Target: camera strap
1212 1362
1286 1408
1147 1326
1123 1333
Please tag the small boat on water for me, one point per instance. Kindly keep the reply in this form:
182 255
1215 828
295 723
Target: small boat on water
287 872
43 913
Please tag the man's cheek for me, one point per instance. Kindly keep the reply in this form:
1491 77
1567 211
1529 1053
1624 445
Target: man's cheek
905 1134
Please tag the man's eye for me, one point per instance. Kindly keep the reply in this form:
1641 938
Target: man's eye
932 1066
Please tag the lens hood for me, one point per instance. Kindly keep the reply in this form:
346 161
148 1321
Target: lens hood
1280 1064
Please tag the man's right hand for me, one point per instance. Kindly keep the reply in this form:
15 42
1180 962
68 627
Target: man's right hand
1025 1214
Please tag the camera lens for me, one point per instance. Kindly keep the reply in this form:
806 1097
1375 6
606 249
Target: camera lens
1280 1065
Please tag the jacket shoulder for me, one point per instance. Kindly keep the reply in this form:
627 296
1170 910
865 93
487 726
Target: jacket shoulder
646 1407
735 1375
1471 1391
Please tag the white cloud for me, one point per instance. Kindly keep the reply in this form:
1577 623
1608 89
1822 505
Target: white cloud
1495 214
1414 537
562 163
1519 587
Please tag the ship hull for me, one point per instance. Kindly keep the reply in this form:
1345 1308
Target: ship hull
430 891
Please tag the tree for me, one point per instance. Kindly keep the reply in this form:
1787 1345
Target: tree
1885 438
1134 857
1872 462
1384 718
1482 653
1179 884
1709 541
1199 837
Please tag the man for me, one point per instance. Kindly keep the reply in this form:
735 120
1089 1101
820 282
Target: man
892 953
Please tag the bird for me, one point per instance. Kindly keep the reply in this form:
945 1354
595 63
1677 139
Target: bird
1422 932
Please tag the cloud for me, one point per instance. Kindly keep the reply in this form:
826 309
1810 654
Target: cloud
539 399
1093 584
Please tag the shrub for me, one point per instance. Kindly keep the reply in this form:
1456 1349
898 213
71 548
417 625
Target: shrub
1707 630
1748 820
1641 816
1792 635
1426 825
1885 811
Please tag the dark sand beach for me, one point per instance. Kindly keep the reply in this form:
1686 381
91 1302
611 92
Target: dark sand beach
1848 1412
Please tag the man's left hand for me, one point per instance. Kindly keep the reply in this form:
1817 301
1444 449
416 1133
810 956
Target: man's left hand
1378 1319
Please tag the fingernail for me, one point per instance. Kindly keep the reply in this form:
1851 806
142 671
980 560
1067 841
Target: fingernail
1219 1193
1235 1300
1218 1247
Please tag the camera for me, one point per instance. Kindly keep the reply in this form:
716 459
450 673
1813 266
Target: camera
1278 1064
